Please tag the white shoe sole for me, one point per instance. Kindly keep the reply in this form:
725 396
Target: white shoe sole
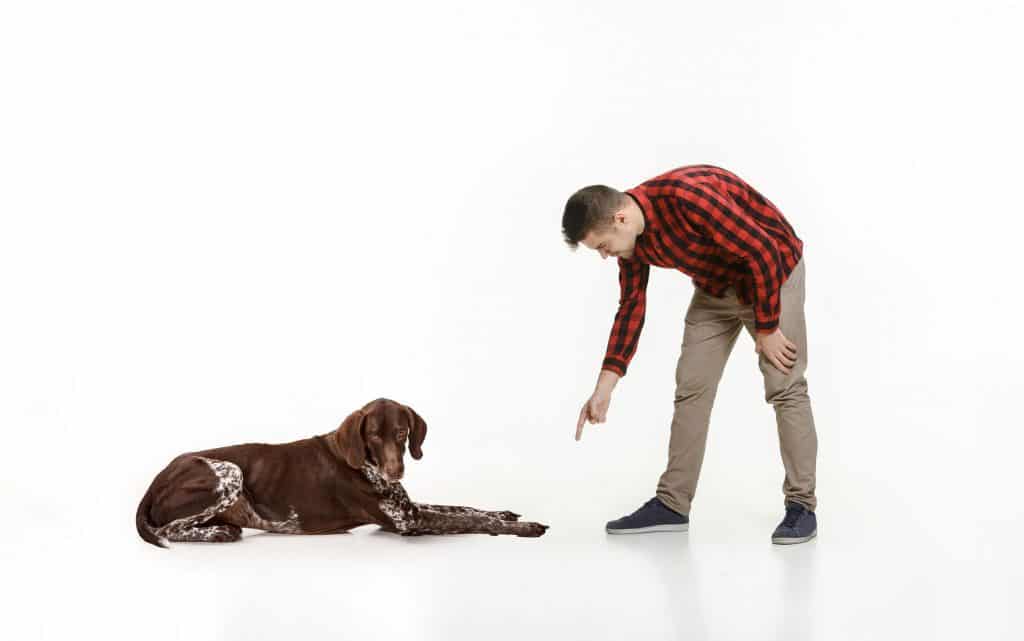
790 540
672 527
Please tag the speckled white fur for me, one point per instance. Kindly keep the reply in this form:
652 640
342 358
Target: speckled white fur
229 486
394 502
291 525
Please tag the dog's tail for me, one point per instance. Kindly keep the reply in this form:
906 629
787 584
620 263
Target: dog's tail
142 520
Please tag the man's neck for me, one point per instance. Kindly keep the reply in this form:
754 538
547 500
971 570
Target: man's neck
638 215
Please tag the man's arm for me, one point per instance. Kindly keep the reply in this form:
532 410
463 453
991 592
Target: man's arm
629 319
720 218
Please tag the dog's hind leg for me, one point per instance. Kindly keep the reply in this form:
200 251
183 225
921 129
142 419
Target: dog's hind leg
207 534
197 488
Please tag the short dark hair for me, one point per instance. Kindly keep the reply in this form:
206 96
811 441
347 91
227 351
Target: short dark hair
590 209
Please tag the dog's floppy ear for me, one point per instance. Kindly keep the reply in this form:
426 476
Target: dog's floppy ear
417 432
350 439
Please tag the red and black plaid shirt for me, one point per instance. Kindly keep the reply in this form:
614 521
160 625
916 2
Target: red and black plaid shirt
707 223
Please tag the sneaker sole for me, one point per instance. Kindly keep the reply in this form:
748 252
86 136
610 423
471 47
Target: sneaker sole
790 540
672 527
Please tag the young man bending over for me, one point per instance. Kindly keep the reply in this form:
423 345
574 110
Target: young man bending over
747 267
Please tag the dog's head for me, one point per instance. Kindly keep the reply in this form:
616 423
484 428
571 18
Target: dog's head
377 433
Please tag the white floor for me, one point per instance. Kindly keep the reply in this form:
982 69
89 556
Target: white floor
722 580
203 243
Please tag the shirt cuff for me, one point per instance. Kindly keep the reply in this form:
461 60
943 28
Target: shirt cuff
613 364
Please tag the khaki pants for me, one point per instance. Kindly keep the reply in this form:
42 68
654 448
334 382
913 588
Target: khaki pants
712 325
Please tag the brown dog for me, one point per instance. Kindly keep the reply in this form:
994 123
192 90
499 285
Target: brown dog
319 485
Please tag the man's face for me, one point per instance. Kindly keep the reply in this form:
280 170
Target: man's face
617 241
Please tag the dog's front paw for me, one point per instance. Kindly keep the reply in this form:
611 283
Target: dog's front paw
531 529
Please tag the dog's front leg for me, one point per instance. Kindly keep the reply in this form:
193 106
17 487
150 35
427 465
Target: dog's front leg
412 519
504 515
456 520
395 504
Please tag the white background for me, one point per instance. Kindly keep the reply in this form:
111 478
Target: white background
232 222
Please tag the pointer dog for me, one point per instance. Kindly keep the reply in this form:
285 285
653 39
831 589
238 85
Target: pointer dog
320 485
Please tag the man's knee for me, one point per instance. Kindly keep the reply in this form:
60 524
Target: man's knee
786 392
694 391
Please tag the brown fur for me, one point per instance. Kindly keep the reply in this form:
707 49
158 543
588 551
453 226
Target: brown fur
325 484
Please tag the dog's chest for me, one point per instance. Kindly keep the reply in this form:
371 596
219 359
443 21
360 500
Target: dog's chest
392 499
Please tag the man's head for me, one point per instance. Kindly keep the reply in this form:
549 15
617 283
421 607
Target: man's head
603 219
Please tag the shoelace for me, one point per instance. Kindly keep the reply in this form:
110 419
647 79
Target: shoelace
644 506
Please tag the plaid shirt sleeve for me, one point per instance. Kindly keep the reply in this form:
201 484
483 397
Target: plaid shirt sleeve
629 319
719 217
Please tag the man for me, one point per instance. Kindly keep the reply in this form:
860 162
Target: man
747 269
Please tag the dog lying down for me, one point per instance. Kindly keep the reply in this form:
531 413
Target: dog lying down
320 485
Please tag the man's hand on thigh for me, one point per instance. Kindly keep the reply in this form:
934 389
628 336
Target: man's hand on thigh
779 350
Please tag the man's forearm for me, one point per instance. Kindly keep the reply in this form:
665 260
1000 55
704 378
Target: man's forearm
607 380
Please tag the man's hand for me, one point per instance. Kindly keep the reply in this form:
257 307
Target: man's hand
779 350
595 409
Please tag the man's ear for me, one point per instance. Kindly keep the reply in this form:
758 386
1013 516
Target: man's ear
417 432
351 440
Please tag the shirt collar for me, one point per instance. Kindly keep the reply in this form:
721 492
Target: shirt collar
646 208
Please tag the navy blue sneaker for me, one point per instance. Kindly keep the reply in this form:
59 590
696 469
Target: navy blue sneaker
799 526
653 516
